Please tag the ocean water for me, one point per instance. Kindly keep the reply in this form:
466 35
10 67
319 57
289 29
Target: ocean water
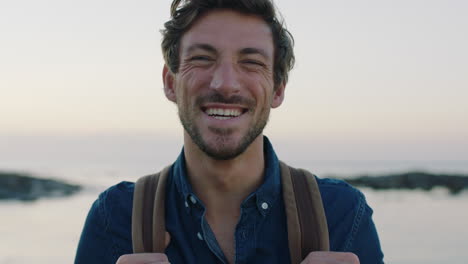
414 226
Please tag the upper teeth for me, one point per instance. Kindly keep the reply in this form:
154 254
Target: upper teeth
223 112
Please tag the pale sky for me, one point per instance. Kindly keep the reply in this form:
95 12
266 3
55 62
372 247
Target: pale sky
379 76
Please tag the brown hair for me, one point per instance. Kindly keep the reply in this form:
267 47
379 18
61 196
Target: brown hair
185 12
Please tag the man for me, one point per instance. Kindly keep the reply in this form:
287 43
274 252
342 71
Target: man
227 64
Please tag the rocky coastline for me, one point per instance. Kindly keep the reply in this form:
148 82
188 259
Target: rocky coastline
25 187
411 180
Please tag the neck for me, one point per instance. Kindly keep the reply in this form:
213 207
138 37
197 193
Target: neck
224 183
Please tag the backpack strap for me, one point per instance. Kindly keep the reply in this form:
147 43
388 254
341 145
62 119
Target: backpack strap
148 215
307 223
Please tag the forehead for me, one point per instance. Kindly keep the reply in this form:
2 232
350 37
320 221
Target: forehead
228 30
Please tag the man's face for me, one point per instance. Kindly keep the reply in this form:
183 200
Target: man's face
224 87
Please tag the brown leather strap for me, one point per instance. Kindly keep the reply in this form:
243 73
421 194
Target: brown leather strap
140 214
159 214
148 216
294 228
307 223
310 211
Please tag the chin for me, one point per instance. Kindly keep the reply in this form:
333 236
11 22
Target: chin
223 147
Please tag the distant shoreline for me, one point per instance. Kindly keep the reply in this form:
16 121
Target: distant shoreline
27 188
415 180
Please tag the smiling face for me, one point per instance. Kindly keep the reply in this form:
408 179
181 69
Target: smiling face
224 87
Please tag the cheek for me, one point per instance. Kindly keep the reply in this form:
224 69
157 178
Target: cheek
194 78
263 77
263 87
188 85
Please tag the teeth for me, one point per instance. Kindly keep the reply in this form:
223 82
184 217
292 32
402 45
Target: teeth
222 117
223 113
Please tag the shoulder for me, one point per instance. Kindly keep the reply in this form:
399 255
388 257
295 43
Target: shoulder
340 198
338 193
346 209
119 192
115 205
106 234
116 202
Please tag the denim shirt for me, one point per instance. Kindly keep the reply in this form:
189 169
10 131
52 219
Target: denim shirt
260 235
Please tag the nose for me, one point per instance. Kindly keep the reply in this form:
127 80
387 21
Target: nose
225 79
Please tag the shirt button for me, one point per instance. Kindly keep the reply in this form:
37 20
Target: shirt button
199 236
244 235
264 206
192 199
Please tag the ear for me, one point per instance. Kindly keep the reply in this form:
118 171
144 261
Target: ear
278 95
169 88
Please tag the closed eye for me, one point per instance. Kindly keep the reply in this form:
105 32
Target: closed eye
200 58
254 62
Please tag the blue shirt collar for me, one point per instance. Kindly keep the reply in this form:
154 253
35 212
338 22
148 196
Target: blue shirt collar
263 198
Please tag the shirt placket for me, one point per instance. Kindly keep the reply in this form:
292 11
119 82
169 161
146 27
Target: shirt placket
245 237
211 241
204 233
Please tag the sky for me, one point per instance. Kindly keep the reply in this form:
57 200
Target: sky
374 79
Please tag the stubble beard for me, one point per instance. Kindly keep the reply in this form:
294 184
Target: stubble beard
222 148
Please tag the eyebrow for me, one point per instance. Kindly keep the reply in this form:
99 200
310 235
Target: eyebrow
202 46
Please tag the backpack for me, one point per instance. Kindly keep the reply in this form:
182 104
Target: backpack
307 224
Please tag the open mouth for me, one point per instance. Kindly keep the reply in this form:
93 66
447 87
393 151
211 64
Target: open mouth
223 113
